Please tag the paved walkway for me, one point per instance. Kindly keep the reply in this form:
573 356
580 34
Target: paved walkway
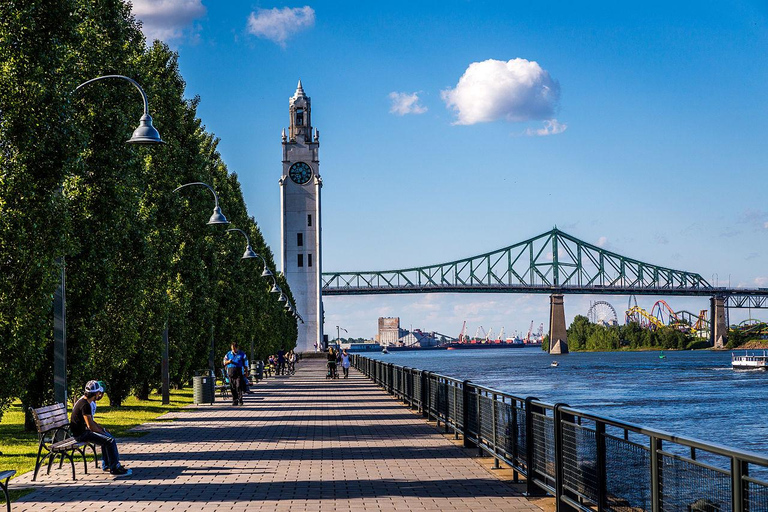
300 443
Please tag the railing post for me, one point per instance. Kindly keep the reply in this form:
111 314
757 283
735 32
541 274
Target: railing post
515 434
558 457
425 394
494 412
739 469
479 426
602 473
531 489
465 414
655 475
455 411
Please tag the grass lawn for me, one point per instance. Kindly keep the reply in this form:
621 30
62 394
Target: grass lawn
19 448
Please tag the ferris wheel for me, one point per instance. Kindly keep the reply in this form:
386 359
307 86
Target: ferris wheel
603 313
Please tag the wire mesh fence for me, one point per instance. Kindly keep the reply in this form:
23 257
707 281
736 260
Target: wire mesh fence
588 462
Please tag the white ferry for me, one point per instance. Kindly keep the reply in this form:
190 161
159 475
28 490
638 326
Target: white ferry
749 361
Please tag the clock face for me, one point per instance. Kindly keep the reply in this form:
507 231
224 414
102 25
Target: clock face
300 173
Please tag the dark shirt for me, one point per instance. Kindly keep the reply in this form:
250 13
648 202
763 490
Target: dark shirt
280 356
331 357
77 424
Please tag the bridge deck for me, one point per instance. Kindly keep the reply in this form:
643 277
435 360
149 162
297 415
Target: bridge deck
298 443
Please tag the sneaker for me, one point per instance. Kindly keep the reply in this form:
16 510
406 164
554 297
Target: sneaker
120 471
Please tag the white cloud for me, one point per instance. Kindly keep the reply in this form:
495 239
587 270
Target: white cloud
404 103
761 282
278 25
765 225
516 90
167 19
551 127
602 242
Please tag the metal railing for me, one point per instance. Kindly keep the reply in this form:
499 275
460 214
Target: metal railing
586 461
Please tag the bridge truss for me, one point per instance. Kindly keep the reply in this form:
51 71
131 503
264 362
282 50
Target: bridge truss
548 263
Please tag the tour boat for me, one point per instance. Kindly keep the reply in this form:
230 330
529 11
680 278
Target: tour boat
554 364
749 362
384 350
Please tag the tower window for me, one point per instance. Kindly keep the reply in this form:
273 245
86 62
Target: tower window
299 116
309 260
300 262
300 239
309 220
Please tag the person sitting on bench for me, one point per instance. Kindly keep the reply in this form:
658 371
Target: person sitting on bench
85 429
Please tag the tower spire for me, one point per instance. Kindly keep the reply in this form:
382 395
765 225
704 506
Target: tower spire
299 90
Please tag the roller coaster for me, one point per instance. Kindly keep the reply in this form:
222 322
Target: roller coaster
662 314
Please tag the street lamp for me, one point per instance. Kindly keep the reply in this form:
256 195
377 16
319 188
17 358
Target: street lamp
338 335
145 134
216 218
248 254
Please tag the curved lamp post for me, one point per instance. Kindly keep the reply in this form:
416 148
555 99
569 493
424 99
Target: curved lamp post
248 254
217 217
144 134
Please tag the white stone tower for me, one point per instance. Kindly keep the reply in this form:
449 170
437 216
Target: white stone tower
300 187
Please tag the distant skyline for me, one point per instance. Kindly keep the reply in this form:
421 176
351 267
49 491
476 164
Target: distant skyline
449 129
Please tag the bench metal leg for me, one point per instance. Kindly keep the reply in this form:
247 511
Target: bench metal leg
4 485
84 452
39 462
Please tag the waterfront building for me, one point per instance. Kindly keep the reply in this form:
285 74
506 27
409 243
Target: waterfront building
389 331
300 219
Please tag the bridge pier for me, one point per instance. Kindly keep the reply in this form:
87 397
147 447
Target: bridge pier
718 327
558 335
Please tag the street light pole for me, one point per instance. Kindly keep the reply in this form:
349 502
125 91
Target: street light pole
145 134
216 218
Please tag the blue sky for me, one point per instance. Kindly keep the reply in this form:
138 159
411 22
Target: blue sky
454 128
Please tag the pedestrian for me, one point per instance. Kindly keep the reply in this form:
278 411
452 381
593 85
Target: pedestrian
86 430
235 361
281 362
345 363
292 362
332 374
104 454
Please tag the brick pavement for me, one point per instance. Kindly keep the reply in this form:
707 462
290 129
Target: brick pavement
300 443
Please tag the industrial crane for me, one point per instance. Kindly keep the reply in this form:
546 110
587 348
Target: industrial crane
463 334
528 336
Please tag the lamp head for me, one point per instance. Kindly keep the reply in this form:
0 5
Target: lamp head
218 217
282 297
145 133
275 289
266 273
249 254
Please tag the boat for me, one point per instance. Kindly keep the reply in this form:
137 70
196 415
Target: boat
749 361
384 350
554 364
661 355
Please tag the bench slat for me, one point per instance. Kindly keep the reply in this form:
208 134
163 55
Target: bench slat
7 474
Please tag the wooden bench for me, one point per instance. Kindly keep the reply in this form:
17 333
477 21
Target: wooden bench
56 439
4 477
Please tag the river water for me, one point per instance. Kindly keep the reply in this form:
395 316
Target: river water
690 393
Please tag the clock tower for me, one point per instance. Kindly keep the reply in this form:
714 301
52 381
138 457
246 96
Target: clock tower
300 187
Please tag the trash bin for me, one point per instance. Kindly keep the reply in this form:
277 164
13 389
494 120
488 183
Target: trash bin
254 374
259 369
203 387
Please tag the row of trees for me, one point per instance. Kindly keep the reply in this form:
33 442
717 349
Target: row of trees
137 254
584 335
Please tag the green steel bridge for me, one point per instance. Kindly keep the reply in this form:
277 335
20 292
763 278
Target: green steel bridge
551 263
